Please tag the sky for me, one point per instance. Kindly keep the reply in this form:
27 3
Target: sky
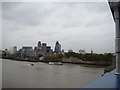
76 25
0 25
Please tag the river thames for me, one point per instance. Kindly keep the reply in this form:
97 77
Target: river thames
18 74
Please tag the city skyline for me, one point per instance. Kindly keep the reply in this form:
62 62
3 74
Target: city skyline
39 44
74 25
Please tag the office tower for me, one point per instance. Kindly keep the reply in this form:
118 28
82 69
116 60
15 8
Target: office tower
39 44
14 49
57 48
44 48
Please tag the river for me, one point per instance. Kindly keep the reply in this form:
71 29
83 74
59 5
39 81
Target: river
18 74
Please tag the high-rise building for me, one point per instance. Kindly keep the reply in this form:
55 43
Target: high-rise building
40 49
27 51
44 48
39 44
14 49
48 51
57 48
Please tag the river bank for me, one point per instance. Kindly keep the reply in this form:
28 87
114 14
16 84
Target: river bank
107 67
65 60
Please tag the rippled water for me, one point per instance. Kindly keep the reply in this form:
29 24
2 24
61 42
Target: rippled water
18 74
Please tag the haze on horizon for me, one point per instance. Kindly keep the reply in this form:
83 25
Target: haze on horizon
76 25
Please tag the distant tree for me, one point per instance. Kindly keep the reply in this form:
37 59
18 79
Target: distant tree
53 57
91 56
70 54
4 54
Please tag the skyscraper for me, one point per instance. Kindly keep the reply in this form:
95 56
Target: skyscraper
44 48
57 48
39 44
14 49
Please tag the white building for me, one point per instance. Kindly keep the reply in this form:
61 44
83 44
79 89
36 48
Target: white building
14 50
82 51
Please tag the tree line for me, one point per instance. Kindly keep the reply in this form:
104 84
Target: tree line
85 57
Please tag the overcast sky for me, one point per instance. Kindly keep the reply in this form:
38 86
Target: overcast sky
0 25
76 25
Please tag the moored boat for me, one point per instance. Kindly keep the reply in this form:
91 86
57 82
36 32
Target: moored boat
55 63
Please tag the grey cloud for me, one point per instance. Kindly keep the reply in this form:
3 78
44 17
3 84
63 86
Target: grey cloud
75 25
0 25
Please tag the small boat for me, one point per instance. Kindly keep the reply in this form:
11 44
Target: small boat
55 63
51 63
32 64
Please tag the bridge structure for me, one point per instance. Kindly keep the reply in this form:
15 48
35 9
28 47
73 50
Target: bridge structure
111 79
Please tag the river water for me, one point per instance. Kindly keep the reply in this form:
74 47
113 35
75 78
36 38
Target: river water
18 74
